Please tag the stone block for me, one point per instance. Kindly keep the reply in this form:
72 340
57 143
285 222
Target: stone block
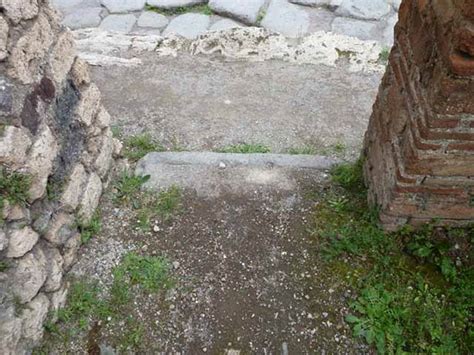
21 241
88 105
152 19
364 9
28 275
62 56
80 72
90 198
40 162
224 24
118 23
70 251
3 38
32 318
10 329
246 11
61 227
188 25
14 144
54 269
287 19
83 18
17 10
74 188
123 6
28 53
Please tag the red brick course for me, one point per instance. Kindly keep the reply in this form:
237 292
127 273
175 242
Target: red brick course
419 147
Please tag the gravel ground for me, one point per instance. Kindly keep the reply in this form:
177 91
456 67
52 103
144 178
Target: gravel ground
247 277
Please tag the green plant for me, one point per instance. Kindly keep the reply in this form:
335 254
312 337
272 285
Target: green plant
14 187
384 55
83 303
202 9
136 147
245 148
260 17
302 150
349 176
91 228
4 266
412 297
149 272
133 335
128 186
168 202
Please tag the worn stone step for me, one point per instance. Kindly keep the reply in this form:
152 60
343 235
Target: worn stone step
213 174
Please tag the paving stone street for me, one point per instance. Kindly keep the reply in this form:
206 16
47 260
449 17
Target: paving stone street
363 19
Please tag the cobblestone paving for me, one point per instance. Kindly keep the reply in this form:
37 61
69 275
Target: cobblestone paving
364 19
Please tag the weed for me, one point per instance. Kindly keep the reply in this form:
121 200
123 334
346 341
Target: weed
168 202
83 304
91 228
344 54
302 150
116 131
202 9
412 297
14 187
149 272
349 176
128 186
245 148
4 266
136 147
384 55
133 335
260 17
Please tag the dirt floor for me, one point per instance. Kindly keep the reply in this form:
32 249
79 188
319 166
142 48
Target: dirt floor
247 278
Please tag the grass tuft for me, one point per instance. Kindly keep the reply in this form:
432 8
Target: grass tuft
384 55
91 228
245 148
200 9
14 187
136 147
128 186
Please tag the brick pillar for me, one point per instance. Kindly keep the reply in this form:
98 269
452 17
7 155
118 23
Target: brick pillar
419 147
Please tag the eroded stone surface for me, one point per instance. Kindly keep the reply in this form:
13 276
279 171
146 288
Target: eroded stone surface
29 275
355 28
90 198
364 9
188 25
246 11
40 161
121 6
30 48
83 18
287 19
21 241
62 56
118 23
3 38
18 10
224 24
33 317
14 145
10 328
74 188
152 19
